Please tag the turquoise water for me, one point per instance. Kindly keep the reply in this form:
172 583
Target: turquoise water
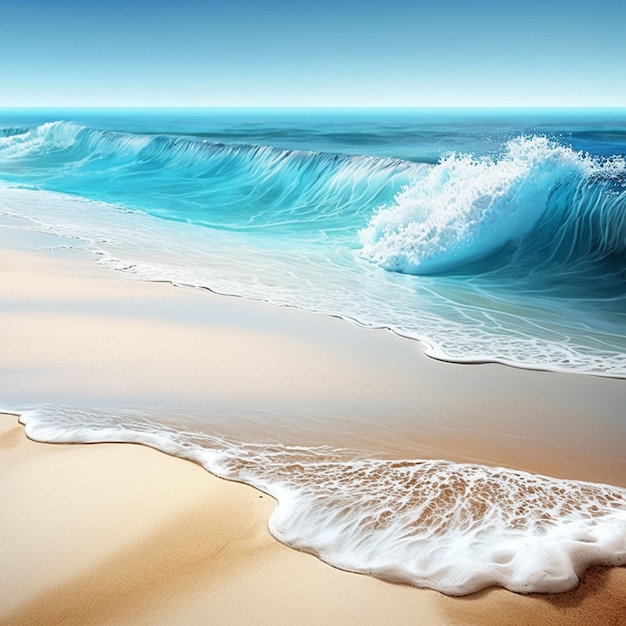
487 235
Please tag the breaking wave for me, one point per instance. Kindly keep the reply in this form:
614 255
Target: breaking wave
237 187
537 207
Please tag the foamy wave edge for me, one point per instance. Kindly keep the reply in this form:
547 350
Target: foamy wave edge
456 528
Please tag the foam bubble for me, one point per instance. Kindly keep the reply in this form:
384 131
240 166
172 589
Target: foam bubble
456 528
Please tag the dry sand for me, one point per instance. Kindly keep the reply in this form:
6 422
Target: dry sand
123 534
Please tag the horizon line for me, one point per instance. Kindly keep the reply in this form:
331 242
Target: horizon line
305 106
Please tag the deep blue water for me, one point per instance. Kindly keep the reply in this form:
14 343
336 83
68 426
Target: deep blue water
489 235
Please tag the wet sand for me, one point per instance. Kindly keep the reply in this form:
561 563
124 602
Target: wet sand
122 533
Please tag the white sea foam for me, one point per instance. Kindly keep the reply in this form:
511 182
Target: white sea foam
466 208
452 527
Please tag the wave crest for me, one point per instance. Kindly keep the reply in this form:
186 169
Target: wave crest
190 179
467 209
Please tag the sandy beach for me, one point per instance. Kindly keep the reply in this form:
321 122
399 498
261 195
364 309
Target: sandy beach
120 533
117 533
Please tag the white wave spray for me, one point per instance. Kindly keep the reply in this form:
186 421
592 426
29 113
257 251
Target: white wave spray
467 208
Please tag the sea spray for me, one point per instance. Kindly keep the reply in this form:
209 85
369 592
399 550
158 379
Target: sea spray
453 527
467 209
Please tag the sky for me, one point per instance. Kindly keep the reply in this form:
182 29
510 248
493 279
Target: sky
405 53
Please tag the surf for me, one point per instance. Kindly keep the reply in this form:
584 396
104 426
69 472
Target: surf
512 255
453 527
538 207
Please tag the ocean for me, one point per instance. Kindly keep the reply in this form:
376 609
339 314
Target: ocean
488 236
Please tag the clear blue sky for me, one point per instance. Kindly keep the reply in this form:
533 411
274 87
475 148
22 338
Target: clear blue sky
315 53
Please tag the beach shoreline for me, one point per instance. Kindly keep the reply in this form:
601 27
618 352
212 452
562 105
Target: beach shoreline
112 533
80 334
